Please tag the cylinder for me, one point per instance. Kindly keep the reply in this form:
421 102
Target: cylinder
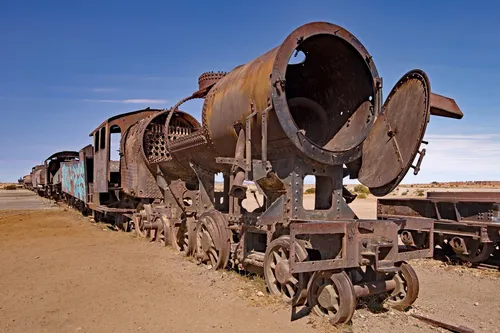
323 105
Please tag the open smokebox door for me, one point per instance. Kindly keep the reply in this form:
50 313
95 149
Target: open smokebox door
395 138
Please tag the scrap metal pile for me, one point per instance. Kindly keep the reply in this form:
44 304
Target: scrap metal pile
273 123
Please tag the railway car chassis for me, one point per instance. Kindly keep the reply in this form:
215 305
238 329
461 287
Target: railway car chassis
468 223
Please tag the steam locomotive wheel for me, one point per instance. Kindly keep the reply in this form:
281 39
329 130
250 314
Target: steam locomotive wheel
279 279
122 222
331 295
477 251
179 235
407 288
213 239
191 235
163 234
139 226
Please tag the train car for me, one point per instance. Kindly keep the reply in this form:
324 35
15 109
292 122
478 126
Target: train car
76 175
26 181
38 179
52 179
467 223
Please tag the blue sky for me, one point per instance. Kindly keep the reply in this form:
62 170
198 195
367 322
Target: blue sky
65 66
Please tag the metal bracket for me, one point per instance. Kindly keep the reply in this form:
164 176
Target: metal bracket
419 162
232 161
457 213
264 132
248 152
384 266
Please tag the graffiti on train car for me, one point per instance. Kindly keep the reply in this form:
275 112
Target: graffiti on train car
73 179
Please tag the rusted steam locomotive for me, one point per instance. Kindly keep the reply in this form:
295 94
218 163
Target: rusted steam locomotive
273 123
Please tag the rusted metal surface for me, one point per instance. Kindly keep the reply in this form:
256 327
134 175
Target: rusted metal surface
341 55
478 211
438 323
53 176
279 278
406 290
26 180
208 79
391 147
376 287
101 136
445 107
361 242
136 178
464 222
332 295
213 239
38 177
493 197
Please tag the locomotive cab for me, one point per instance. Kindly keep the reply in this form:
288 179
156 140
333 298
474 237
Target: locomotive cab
108 170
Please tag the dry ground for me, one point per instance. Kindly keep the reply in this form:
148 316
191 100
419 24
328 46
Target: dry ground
61 273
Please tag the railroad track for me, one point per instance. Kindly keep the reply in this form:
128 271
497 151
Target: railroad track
488 265
491 264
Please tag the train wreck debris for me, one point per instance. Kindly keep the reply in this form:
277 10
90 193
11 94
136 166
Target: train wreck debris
274 123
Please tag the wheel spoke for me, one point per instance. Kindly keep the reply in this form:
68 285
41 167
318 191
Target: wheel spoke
213 261
291 292
277 257
283 254
293 280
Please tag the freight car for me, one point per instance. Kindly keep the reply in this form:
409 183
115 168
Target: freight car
76 175
273 123
466 224
52 169
38 179
26 181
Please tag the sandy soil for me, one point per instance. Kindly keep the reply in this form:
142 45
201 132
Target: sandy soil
61 273
23 199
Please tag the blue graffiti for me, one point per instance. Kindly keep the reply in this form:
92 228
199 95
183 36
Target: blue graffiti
73 179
